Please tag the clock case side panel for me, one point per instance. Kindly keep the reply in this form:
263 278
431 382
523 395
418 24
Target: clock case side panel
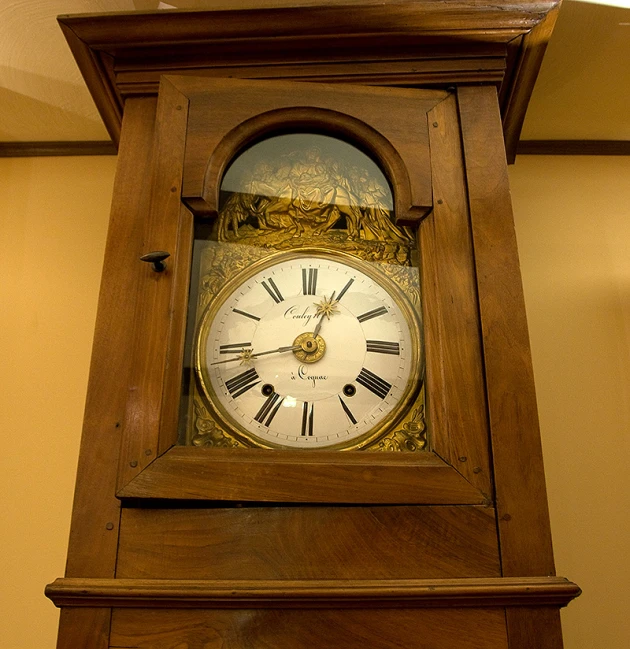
277 476
96 514
521 501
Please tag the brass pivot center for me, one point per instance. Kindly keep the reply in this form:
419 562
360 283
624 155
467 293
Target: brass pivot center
312 348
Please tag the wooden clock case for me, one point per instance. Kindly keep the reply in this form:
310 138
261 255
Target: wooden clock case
175 546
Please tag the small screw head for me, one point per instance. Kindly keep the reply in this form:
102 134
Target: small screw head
109 526
133 464
463 458
148 452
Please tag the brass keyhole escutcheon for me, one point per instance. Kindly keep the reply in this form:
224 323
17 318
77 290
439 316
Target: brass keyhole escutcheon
312 348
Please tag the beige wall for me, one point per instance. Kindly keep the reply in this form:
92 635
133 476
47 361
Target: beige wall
53 218
573 226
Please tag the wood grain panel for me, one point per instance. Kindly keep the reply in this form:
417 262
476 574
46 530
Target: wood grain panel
458 418
303 629
535 626
84 627
93 534
519 477
308 543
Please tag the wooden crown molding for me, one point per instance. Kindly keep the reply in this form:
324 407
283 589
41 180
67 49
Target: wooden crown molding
422 43
406 593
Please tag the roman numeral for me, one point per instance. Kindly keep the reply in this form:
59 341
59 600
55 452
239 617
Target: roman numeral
307 419
382 347
374 313
247 315
347 411
242 382
273 290
309 281
270 407
233 348
344 289
380 387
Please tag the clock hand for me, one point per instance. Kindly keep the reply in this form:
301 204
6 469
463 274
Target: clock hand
287 348
247 354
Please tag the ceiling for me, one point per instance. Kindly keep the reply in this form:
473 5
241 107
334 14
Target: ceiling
582 93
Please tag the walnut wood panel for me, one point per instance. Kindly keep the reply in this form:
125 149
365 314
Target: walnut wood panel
190 473
94 530
389 123
535 626
303 629
84 627
313 593
308 543
124 55
153 306
457 405
520 482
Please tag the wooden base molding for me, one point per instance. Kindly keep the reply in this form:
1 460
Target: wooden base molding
402 593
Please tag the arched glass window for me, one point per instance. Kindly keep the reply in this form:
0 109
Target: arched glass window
304 184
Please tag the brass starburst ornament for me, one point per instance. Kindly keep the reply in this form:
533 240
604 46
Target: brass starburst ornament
245 356
327 307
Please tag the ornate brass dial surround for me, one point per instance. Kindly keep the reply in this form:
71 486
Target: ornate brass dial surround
403 413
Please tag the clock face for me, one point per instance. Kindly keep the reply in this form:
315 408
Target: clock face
308 351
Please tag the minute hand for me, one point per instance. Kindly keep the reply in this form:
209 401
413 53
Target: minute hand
240 357
287 348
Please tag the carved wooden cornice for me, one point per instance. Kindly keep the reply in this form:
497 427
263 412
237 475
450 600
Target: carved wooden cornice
427 43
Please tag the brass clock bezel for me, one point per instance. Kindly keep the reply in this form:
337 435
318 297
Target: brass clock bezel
412 317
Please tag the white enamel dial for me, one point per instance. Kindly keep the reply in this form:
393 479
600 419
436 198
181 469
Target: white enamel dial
308 352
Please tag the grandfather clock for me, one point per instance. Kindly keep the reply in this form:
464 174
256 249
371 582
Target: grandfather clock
311 418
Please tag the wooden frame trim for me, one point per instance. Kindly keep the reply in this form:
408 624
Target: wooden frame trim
399 593
191 473
149 468
357 132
